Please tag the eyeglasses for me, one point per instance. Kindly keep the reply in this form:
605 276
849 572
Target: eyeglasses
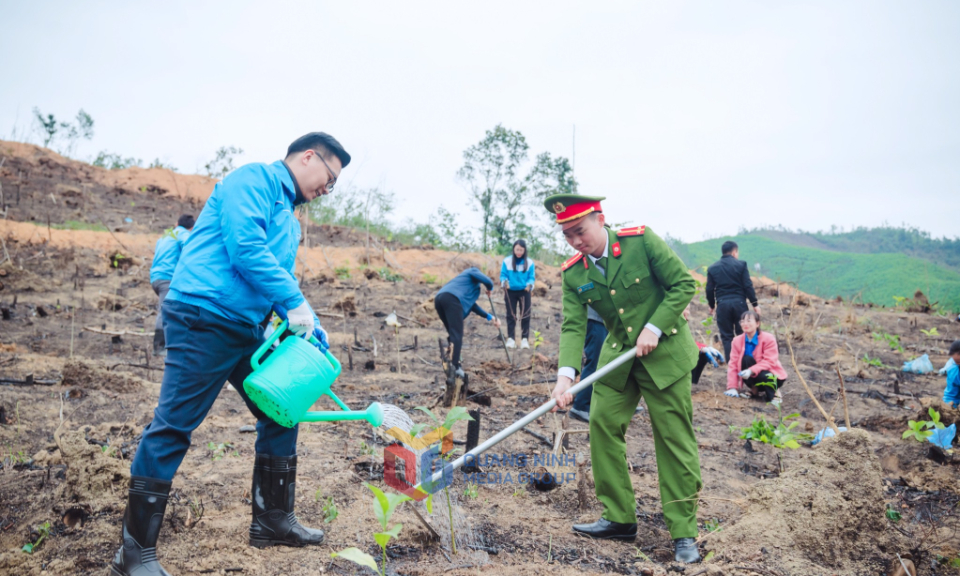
333 179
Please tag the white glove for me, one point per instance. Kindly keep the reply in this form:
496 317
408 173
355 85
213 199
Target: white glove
732 393
300 319
714 354
746 373
950 363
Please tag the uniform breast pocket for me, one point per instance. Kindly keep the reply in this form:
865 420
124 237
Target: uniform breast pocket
591 296
637 283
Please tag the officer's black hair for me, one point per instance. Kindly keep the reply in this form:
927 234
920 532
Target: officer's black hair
728 247
322 142
955 347
187 221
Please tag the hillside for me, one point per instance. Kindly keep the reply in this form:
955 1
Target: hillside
829 273
880 240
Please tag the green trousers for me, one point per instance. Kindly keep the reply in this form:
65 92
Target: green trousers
678 461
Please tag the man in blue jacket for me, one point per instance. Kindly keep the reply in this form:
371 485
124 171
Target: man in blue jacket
455 301
238 263
165 258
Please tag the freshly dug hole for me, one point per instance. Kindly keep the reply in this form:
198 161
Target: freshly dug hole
824 515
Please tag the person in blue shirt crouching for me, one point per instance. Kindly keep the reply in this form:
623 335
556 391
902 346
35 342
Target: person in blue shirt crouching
237 265
951 393
455 301
165 258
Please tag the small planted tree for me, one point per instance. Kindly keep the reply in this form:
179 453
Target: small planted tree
456 414
384 505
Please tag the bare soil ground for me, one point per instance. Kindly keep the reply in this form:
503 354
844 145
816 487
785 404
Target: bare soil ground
74 401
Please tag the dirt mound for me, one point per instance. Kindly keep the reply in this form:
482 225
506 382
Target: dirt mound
766 287
91 377
824 515
948 415
93 476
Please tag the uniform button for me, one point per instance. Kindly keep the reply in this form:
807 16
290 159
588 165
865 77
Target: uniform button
637 281
612 292
629 328
614 344
674 331
589 299
621 310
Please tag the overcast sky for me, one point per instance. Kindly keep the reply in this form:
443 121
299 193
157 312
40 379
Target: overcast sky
694 118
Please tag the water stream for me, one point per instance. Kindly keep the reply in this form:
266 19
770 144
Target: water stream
469 543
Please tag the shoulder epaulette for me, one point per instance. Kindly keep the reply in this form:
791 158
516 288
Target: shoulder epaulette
571 261
635 231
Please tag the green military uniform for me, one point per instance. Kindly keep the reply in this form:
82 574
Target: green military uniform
644 282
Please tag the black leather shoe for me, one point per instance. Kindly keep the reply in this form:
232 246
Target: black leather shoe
146 504
685 550
607 530
273 494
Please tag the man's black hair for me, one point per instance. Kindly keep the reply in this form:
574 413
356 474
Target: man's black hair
326 144
187 221
728 247
955 347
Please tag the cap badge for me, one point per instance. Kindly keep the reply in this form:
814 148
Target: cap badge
558 207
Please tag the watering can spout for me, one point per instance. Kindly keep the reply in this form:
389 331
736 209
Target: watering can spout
373 414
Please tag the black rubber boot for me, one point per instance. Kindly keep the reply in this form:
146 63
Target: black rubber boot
273 494
158 343
141 527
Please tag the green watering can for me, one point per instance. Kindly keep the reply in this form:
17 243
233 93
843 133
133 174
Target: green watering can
295 376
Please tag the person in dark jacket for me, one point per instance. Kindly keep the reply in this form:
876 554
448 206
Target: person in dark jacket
728 289
455 301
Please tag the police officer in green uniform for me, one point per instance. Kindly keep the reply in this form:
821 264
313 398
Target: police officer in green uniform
640 288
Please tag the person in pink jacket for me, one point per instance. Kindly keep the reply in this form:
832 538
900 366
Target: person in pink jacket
754 357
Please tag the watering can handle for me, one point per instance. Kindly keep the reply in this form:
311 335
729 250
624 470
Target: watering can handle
255 359
282 313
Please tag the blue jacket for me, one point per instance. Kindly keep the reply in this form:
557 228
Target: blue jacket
951 394
466 287
242 251
167 253
519 280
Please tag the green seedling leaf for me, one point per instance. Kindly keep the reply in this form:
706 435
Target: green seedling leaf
383 538
417 428
356 556
456 414
28 548
791 444
429 413
385 504
893 515
709 556
934 419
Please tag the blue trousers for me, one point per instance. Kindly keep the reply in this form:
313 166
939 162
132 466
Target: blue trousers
204 350
596 334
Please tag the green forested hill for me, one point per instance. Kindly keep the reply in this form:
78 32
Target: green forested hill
830 273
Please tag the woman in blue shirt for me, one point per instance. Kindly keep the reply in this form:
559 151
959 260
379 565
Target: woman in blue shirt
517 276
